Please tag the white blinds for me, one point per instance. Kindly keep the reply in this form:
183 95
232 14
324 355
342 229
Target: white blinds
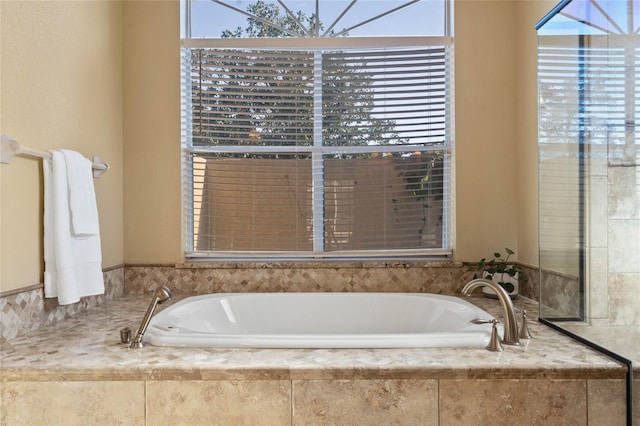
316 152
408 105
260 98
588 102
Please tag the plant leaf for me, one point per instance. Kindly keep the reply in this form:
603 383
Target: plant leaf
507 286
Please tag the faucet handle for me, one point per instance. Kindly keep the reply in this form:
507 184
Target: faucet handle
495 345
524 328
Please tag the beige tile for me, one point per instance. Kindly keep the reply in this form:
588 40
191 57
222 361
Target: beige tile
365 402
624 199
607 402
71 403
598 211
245 402
624 245
598 286
406 276
512 402
624 299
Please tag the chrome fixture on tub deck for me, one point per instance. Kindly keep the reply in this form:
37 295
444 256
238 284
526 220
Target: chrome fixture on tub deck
160 295
524 328
494 342
510 323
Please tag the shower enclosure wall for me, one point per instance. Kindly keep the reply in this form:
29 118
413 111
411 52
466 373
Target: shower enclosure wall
589 175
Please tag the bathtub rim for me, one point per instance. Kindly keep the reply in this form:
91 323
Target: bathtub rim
158 335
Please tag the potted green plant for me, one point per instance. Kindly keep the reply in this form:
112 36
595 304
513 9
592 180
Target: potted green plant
500 271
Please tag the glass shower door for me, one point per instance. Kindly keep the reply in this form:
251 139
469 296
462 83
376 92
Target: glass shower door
589 180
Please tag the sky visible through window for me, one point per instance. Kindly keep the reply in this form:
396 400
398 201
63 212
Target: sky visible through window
588 17
420 18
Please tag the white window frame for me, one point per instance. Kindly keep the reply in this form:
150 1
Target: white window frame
317 150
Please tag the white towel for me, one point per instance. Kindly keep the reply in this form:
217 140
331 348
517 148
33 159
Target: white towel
73 263
82 195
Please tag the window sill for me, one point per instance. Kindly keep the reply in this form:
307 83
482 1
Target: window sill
317 264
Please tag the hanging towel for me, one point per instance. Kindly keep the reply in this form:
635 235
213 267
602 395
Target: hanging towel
82 196
73 262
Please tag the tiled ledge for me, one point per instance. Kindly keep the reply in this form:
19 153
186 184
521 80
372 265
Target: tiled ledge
25 310
317 264
441 277
86 348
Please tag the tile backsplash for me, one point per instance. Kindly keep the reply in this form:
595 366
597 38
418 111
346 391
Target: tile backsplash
27 309
200 278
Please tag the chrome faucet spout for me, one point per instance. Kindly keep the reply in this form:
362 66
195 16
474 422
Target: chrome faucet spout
510 323
160 295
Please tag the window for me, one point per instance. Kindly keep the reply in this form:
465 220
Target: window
308 137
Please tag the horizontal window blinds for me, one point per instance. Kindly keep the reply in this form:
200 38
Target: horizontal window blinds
251 97
267 97
370 202
589 98
316 152
407 103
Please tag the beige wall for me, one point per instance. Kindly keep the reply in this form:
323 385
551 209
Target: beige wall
152 132
61 87
526 105
496 127
139 132
1 203
485 132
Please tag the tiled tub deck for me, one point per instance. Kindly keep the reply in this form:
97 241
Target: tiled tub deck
76 372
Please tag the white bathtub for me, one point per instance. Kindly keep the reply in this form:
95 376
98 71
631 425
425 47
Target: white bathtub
320 320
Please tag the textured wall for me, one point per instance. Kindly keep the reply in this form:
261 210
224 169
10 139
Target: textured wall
61 87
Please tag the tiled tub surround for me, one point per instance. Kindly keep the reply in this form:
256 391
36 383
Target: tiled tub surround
27 309
623 340
549 380
444 277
